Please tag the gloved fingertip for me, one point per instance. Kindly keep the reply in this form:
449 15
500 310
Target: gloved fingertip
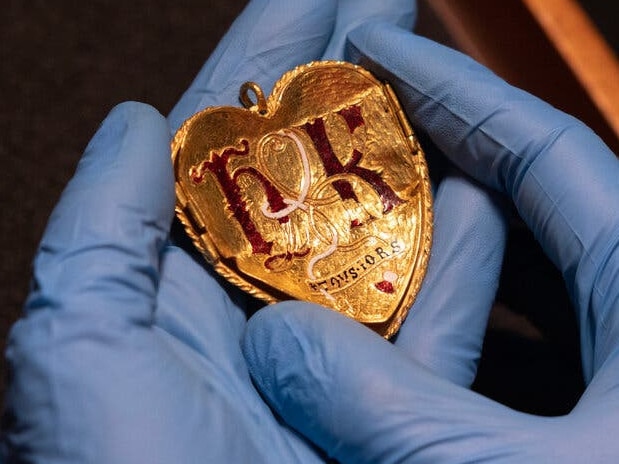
327 376
130 122
130 111
291 348
276 338
112 129
130 155
133 108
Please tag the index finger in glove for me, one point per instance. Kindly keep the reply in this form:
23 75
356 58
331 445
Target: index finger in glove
560 175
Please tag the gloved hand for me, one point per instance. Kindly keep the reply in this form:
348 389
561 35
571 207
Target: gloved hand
129 351
364 400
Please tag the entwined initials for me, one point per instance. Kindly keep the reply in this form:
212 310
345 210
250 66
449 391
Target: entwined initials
277 206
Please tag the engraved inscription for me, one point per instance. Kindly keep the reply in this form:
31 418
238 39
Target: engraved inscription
357 269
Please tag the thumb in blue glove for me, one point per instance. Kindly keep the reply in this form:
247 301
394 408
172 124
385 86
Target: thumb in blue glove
364 400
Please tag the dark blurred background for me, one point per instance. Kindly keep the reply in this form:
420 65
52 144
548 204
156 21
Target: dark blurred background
66 63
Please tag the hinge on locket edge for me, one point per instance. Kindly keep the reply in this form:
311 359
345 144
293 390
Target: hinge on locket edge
197 228
185 207
406 127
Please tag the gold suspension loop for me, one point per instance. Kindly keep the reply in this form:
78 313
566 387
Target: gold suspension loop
246 99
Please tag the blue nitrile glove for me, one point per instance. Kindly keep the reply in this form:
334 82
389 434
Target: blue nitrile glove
364 400
129 351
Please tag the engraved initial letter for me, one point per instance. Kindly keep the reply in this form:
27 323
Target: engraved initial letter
333 166
218 165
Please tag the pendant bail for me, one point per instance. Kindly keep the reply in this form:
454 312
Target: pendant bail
260 105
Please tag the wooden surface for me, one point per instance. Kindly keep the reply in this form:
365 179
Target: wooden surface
549 47
584 50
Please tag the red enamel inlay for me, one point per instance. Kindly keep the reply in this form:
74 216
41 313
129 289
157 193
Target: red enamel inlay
331 163
352 116
385 286
355 223
333 166
236 205
274 197
196 174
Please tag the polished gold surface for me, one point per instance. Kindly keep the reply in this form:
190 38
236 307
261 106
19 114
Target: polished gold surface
319 192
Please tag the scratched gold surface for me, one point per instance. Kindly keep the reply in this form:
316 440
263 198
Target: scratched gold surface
319 192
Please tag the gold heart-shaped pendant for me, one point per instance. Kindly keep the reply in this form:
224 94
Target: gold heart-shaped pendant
318 193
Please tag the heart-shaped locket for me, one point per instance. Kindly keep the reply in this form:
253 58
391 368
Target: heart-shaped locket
318 193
